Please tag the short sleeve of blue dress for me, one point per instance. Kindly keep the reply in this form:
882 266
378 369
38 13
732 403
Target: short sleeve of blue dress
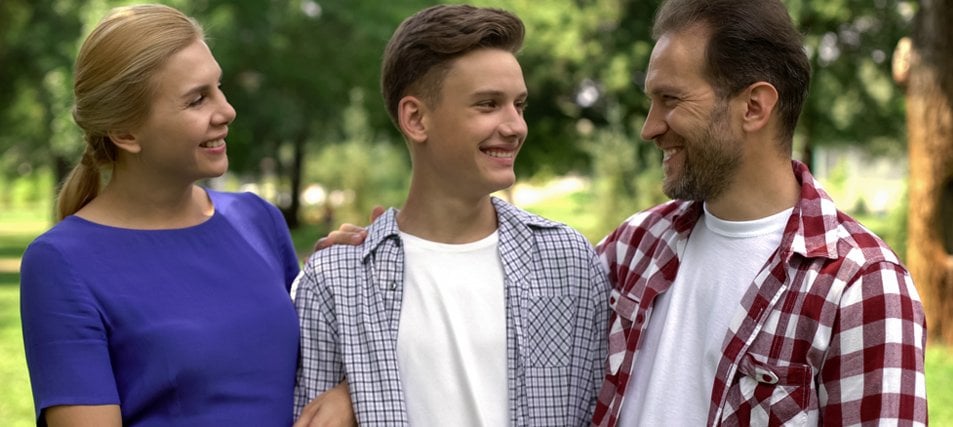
179 327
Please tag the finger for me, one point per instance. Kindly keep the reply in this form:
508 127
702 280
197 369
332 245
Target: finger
322 243
376 212
338 237
350 228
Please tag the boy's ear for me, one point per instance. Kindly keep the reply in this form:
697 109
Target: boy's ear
411 114
761 99
126 141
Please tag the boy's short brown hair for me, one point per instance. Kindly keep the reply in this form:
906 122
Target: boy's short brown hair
421 50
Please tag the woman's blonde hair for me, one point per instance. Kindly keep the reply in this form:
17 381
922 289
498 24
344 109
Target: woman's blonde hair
113 86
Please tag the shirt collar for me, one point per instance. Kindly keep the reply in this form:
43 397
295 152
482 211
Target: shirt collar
511 221
812 229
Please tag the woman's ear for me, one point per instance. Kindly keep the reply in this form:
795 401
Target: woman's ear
761 98
126 141
411 115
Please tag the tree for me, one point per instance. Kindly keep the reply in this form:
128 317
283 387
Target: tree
37 47
852 99
289 69
923 65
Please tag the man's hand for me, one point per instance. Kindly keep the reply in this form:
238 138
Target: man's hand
330 409
347 234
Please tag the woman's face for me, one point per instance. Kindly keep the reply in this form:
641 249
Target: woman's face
183 137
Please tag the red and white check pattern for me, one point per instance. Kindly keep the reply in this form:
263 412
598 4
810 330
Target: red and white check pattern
831 331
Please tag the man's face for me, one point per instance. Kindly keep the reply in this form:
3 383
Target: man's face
476 127
688 121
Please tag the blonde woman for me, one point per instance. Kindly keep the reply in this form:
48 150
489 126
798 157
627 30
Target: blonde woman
155 301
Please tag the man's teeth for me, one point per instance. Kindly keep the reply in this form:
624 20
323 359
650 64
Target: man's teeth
500 154
213 144
668 153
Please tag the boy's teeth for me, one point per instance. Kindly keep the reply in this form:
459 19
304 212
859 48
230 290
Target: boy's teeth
500 154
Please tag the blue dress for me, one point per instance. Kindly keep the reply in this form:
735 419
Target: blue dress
182 327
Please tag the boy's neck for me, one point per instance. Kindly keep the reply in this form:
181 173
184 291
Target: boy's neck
447 220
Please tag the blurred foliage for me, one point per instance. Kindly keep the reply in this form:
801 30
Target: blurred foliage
292 66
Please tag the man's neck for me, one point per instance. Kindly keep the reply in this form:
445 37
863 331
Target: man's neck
758 191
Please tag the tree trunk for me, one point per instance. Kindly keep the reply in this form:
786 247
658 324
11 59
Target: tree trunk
929 100
292 212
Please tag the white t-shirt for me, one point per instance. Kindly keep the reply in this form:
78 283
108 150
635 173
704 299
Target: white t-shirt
451 342
672 376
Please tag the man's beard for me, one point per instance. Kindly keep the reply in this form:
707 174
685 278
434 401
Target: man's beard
710 162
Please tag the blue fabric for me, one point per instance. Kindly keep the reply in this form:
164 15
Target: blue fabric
557 310
184 327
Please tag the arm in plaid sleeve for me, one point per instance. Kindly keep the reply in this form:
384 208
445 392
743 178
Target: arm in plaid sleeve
320 364
601 289
873 371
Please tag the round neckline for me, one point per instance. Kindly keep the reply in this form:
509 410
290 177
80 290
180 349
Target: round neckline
210 219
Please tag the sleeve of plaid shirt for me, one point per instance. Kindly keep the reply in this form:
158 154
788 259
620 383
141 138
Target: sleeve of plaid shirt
873 372
320 364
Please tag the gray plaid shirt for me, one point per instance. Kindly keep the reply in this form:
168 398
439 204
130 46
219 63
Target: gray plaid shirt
349 300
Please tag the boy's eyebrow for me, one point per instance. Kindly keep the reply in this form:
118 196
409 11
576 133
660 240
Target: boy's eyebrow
495 92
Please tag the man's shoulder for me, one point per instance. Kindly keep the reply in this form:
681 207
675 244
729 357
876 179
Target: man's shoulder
857 242
660 216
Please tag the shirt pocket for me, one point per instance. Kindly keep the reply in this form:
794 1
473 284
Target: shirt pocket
549 330
772 395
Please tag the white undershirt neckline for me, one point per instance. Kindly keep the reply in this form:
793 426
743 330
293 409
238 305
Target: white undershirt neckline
675 368
451 341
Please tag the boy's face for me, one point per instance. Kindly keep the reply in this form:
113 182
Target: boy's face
476 127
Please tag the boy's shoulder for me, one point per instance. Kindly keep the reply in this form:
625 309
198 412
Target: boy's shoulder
506 210
512 219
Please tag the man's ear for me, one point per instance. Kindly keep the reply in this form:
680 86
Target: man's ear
761 98
126 141
411 115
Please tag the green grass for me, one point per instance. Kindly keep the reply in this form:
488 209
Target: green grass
939 372
17 229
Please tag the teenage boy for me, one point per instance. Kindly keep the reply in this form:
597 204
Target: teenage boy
458 309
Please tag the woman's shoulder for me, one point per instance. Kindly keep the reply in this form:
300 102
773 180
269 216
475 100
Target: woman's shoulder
241 204
72 232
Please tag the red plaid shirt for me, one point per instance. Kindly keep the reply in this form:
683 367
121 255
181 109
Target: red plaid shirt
833 328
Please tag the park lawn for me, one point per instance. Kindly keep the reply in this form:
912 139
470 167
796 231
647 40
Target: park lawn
16 402
16 405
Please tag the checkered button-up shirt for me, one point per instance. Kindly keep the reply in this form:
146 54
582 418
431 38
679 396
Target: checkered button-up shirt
556 290
831 330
